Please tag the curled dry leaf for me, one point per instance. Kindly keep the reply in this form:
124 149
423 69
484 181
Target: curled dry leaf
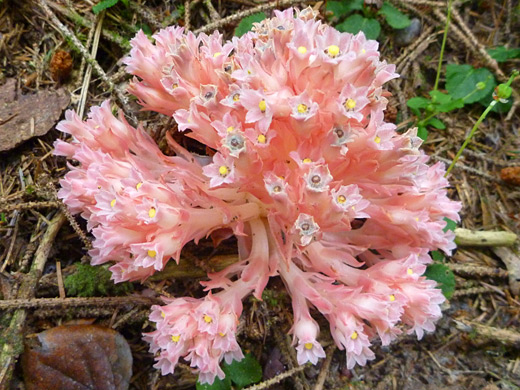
60 65
25 116
77 357
511 175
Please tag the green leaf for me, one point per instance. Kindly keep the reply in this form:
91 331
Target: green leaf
218 384
438 124
356 23
394 17
444 102
437 256
146 28
125 2
245 372
422 133
444 278
103 5
468 83
417 102
246 24
450 225
342 8
503 54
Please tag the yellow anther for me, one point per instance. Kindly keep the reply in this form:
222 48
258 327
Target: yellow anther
363 51
176 338
333 51
221 334
152 253
377 139
308 345
163 315
354 335
302 108
341 199
392 297
138 185
262 105
302 50
230 129
98 187
236 97
350 104
223 170
208 319
217 54
417 219
261 138
409 271
113 203
307 160
152 212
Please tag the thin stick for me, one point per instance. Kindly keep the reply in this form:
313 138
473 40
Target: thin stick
240 15
51 303
88 72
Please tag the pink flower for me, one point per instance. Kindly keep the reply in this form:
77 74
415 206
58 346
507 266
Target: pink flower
300 166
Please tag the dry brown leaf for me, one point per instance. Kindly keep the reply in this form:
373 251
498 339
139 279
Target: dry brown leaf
25 116
77 357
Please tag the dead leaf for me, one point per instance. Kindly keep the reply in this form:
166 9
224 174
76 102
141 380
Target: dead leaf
77 357
25 116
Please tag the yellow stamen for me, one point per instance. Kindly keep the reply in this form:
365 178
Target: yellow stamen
333 51
341 199
409 271
113 203
236 97
152 253
354 336
417 219
138 185
221 334
163 315
152 212
350 104
98 187
223 170
377 139
261 138
392 297
363 51
217 54
302 50
262 105
230 129
307 160
308 345
176 338
302 108
208 319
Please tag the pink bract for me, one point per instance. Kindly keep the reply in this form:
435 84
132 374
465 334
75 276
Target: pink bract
316 186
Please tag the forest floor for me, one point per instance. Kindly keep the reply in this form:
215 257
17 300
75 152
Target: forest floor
44 47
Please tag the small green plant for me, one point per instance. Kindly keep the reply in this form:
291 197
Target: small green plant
105 4
89 281
243 373
246 24
357 17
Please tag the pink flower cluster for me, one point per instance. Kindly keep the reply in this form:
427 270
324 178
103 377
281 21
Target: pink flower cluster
302 168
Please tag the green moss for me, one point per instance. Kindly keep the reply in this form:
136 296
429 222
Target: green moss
89 281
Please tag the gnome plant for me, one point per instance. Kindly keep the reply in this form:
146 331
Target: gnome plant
301 167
